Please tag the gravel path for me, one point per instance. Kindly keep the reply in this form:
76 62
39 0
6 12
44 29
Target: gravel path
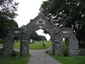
40 57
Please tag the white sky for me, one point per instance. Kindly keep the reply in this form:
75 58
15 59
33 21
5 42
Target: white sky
29 9
41 32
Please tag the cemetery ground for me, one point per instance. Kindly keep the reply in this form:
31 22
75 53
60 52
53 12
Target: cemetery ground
22 59
37 46
14 60
70 59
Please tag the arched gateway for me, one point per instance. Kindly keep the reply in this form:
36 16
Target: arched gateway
40 22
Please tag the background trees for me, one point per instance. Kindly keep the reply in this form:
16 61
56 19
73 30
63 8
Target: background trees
36 37
67 13
7 15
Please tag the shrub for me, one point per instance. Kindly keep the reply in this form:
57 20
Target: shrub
64 48
1 41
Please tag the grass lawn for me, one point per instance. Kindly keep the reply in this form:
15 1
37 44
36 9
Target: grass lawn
71 59
38 45
17 44
35 46
1 45
14 60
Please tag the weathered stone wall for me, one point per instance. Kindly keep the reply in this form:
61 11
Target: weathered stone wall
73 42
8 46
73 47
24 49
40 22
58 38
82 52
57 49
0 51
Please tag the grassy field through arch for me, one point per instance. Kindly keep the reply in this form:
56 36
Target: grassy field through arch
36 45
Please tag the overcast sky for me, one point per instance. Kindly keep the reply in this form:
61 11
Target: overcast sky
29 9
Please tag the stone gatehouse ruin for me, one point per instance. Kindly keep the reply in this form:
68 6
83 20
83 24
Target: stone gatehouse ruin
41 22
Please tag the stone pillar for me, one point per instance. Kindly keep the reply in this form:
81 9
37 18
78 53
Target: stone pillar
8 46
24 48
73 46
82 52
57 44
53 48
57 48
53 43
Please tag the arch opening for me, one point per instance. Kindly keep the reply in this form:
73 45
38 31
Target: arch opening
65 46
16 45
1 43
40 39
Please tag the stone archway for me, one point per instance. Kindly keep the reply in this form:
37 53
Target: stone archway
41 22
73 44
9 41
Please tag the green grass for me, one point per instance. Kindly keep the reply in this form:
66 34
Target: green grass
1 45
17 44
36 45
39 45
14 60
33 46
71 59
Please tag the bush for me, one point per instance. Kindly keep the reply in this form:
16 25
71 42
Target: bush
1 51
64 48
1 41
13 54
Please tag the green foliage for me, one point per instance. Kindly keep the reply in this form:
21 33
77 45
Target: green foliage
7 15
1 41
64 48
5 25
67 13
64 11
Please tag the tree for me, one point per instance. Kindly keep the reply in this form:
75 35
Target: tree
7 15
37 37
67 13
